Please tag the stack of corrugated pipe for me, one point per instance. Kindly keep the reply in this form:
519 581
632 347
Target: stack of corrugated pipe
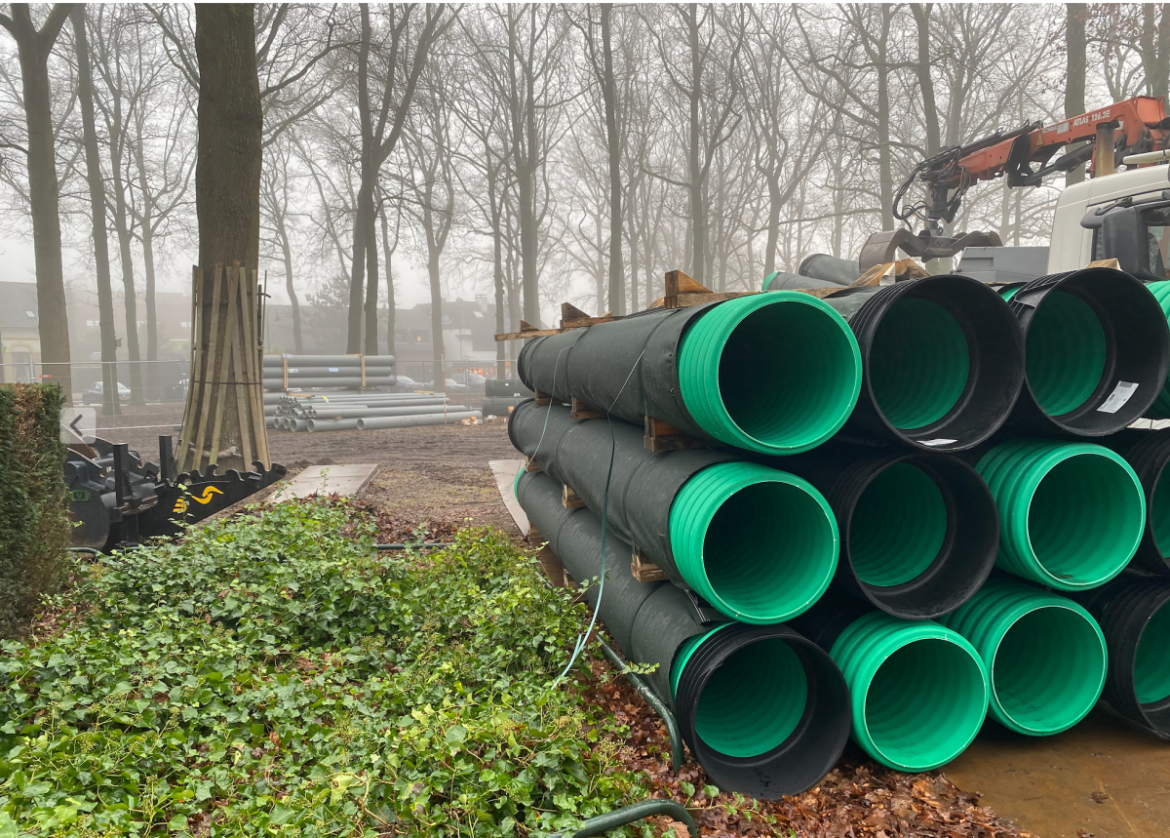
916 507
347 392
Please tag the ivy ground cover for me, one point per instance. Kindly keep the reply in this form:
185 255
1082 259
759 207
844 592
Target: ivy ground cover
273 675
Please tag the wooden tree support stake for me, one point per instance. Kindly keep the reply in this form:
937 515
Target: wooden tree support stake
643 570
570 499
659 436
580 410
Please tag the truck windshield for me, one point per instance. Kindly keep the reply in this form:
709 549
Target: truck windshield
1157 254
1158 235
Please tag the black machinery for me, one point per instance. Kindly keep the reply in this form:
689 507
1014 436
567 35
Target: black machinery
117 498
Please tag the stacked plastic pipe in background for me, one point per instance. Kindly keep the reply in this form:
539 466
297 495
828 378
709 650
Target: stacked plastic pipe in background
347 392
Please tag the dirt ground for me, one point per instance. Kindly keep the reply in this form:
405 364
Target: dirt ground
1101 779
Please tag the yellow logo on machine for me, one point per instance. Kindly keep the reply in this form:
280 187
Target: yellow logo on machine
203 498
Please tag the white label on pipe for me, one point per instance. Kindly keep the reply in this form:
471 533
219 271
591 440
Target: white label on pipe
293 369
333 369
1120 395
934 442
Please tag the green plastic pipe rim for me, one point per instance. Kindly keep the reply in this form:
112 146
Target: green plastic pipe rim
920 691
759 544
898 526
775 373
1046 655
919 363
1072 513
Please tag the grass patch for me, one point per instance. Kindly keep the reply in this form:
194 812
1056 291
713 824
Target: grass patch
272 675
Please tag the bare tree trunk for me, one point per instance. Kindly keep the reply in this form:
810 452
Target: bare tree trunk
97 203
617 297
1155 47
1074 86
122 226
227 200
925 82
370 330
391 318
365 197
148 291
885 151
697 206
289 287
33 48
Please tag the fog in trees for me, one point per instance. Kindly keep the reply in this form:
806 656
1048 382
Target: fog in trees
522 155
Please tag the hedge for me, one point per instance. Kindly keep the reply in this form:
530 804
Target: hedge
34 516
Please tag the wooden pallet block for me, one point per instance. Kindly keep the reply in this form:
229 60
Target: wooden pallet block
550 562
541 398
570 500
531 465
580 410
644 570
660 436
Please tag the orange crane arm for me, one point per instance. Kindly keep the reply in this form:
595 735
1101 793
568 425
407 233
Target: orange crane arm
1140 120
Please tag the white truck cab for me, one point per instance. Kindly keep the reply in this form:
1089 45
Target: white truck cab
1146 191
1123 216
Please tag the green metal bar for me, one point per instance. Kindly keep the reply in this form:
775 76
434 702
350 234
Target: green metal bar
676 745
634 812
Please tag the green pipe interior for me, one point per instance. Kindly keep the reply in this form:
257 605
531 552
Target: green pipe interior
1159 512
897 527
1151 667
768 552
1082 517
925 702
782 377
1065 352
754 700
919 363
1048 670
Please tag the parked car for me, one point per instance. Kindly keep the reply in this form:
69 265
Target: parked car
473 380
453 386
93 393
407 385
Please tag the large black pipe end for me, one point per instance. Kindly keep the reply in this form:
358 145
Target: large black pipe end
1134 615
944 362
919 532
1098 351
765 711
1148 453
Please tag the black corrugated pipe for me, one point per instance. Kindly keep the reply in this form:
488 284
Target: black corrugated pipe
776 373
1148 453
1098 351
1134 614
919 532
758 543
830 268
943 361
764 710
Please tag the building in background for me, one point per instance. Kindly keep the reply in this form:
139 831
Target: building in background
20 332
468 335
